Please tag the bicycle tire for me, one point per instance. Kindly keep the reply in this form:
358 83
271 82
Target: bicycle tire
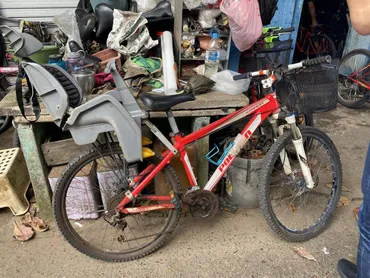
264 188
6 122
80 244
362 101
333 51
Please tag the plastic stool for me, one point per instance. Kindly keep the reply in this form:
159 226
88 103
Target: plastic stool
14 181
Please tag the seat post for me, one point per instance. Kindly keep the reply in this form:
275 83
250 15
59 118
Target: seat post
172 121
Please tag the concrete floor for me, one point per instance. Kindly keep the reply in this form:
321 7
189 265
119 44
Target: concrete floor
229 245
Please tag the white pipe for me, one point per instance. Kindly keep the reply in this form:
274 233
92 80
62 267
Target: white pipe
169 66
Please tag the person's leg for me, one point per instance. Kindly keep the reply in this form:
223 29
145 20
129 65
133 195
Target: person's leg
363 255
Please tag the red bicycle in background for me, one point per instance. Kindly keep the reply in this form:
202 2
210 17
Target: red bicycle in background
354 77
313 43
137 215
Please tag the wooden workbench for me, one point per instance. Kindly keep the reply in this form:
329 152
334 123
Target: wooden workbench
32 136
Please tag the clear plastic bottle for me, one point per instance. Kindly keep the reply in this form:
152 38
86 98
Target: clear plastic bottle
212 59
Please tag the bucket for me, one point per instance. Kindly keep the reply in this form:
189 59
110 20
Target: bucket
242 189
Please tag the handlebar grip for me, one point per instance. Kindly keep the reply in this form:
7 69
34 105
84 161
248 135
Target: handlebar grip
242 76
317 61
286 30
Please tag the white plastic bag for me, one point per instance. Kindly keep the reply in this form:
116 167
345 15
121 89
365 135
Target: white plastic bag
226 84
68 24
245 21
129 35
146 5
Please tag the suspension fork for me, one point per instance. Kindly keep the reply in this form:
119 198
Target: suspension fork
301 153
279 132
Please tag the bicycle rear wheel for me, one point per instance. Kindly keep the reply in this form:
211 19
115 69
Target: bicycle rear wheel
320 45
85 201
293 211
354 70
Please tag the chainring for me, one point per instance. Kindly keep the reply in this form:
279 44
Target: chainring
203 204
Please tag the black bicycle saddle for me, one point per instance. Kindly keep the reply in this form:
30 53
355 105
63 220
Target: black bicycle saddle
104 13
86 23
163 9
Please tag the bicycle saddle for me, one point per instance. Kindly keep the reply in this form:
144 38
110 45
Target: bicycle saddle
162 102
163 9
104 13
86 23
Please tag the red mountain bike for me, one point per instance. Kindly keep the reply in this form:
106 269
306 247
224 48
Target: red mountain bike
121 214
354 77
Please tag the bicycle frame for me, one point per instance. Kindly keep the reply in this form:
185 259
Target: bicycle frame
361 81
259 112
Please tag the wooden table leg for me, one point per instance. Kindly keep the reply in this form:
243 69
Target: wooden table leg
31 137
202 150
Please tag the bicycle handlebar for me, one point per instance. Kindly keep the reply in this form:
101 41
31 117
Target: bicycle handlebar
305 63
287 30
317 61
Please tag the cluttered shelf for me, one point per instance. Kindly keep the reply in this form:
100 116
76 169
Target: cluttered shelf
199 8
203 34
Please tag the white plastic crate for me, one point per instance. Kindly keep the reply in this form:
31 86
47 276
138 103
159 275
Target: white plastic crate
14 181
82 199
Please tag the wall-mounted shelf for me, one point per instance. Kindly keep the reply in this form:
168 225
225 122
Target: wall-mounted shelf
181 11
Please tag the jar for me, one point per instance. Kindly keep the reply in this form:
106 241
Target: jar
74 61
56 59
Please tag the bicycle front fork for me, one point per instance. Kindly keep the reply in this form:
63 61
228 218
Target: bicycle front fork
298 145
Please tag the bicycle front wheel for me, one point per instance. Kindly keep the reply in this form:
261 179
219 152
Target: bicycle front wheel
291 209
86 197
354 73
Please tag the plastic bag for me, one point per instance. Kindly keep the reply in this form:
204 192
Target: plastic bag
207 18
68 24
146 5
245 21
226 84
129 35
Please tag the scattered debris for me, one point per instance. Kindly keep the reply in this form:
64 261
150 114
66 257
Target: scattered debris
325 250
292 207
304 254
34 222
344 189
355 211
343 202
22 232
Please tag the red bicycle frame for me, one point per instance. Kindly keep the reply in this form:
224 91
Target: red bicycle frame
260 111
361 79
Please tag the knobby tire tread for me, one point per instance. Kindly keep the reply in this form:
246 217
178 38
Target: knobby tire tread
265 176
171 177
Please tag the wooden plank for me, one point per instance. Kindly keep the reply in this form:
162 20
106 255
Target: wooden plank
210 104
61 152
31 137
202 150
194 113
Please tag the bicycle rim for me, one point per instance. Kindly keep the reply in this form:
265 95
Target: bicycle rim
85 201
354 76
292 210
320 45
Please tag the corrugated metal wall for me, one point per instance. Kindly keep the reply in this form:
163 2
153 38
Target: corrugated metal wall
38 10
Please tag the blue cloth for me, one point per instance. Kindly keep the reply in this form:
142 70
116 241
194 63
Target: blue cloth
363 255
